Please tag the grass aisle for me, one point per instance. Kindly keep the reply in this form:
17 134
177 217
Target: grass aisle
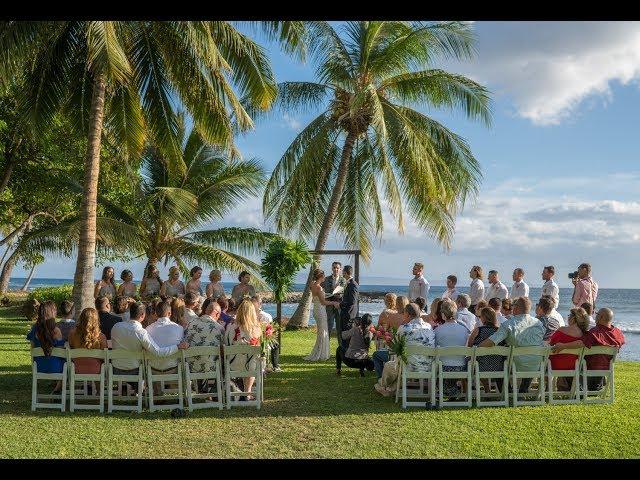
310 412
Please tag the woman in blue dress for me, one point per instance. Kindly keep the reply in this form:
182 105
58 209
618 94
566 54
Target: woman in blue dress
44 334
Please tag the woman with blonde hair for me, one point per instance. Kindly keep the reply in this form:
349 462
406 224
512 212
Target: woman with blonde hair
87 334
178 311
396 319
578 325
390 308
215 288
174 286
245 329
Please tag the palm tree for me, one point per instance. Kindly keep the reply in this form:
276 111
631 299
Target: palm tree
125 77
368 146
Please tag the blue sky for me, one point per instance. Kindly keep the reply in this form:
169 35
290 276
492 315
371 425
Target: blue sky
560 162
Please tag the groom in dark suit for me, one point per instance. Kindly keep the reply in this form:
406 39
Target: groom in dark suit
348 305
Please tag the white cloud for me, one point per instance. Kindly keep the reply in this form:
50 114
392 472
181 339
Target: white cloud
549 69
291 122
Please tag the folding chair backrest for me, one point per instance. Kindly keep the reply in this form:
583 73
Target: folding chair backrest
121 354
572 351
88 353
454 351
600 350
241 348
177 355
201 351
495 350
537 350
55 352
421 350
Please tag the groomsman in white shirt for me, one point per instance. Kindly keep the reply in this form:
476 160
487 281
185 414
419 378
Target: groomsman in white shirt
418 286
496 289
519 288
451 292
550 286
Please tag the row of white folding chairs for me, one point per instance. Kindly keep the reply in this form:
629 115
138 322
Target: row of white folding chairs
545 376
185 379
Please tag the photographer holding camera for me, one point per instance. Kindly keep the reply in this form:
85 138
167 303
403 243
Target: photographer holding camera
585 288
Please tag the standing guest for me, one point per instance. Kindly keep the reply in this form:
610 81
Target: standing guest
585 287
487 363
245 329
451 292
193 285
389 308
496 287
522 330
603 334
106 286
165 332
151 283
87 334
329 284
519 287
349 305
130 336
204 331
107 319
356 353
464 316
496 304
178 312
127 288
578 327
173 287
67 323
243 289
418 286
507 308
224 307
554 313
550 286
121 307
44 334
190 306
394 320
476 290
589 309
266 318
543 309
451 334
215 288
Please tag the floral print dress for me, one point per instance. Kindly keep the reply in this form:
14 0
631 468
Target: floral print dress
418 332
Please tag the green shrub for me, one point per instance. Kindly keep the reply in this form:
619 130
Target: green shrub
56 294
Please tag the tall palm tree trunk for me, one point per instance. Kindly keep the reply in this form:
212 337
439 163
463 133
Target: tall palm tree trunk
300 317
83 278
26 284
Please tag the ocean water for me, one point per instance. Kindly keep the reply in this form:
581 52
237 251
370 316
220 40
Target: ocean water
625 304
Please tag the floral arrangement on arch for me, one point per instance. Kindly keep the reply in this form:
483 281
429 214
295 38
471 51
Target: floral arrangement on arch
394 341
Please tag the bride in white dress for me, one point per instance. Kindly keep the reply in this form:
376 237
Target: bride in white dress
321 350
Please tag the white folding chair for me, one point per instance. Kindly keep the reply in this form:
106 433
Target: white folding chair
171 401
491 399
429 376
62 376
607 394
573 394
232 398
463 375
538 374
138 378
77 377
191 379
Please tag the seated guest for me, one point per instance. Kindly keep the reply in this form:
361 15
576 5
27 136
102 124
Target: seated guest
232 310
522 330
150 312
554 313
173 287
357 354
44 334
464 316
132 337
225 318
394 320
578 326
107 319
417 332
128 288
30 310
543 309
87 334
265 317
165 332
451 334
178 311
245 329
487 363
204 331
434 318
507 308
243 289
121 307
496 304
211 313
603 334
479 306
67 323
193 285
190 303
589 309
389 308
422 303
215 288
451 292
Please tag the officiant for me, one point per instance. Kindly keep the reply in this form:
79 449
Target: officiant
330 284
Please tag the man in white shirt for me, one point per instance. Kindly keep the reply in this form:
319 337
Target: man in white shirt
418 286
550 287
464 316
190 303
129 335
476 290
554 313
519 288
451 292
496 289
165 332
497 306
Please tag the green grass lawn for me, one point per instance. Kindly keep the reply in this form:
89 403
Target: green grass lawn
310 412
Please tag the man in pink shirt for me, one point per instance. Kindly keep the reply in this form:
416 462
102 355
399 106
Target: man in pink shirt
586 289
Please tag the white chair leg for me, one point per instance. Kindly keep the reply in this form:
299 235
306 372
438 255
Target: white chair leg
34 388
63 392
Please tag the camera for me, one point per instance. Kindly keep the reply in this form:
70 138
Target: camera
573 275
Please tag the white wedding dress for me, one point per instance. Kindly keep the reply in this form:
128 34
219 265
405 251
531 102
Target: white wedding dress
321 349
